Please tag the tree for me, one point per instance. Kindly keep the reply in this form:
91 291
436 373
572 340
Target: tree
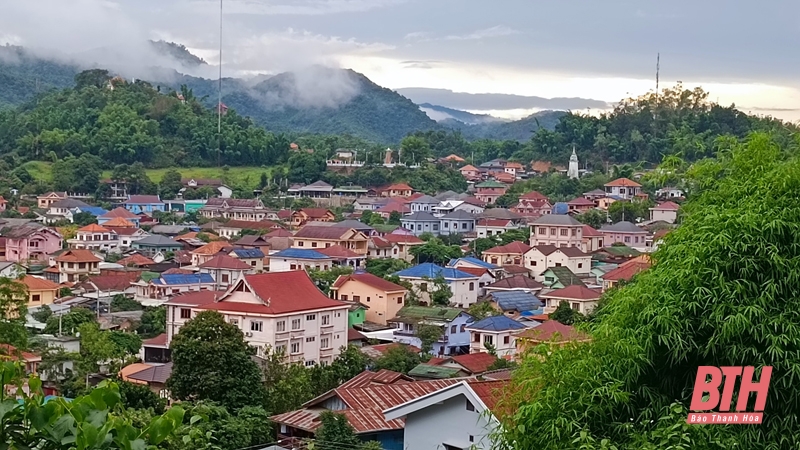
398 358
414 149
121 302
697 305
428 335
96 348
153 322
171 183
594 218
482 310
211 361
97 78
83 218
386 266
335 433
565 314
42 313
436 252
440 292
139 396
13 308
125 343
325 278
70 322
394 218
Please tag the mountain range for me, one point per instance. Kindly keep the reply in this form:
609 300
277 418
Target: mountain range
315 100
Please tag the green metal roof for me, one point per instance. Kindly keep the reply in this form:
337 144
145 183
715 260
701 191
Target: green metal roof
490 184
565 276
147 276
621 250
427 312
429 371
385 228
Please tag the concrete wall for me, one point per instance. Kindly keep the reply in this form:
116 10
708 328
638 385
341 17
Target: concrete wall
447 423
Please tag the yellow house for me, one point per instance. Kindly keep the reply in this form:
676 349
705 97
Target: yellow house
382 298
40 291
316 237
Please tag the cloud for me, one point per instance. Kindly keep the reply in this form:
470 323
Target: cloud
293 7
496 31
420 64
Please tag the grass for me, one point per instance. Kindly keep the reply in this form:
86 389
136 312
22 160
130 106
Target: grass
41 170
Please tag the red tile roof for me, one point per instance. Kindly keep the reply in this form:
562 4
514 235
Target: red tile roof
580 201
403 239
106 283
284 214
316 213
380 242
394 206
225 262
93 228
39 284
476 271
136 260
475 362
337 251
370 280
552 331
515 247
119 222
178 271
626 271
398 187
119 212
250 225
668 206
591 232
533 195
468 168
78 255
279 293
574 292
623 182
516 282
7 351
195 298
493 222
354 335
572 252
158 341
280 232
490 392
516 269
317 232
212 248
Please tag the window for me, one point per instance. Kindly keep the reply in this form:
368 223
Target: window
327 244
394 250
292 267
574 232
399 300
558 264
300 244
356 298
488 339
471 286
186 313
344 298
436 226
367 299
71 265
234 322
311 339
636 239
324 343
470 406
423 287
506 339
627 239
494 260
576 306
224 277
310 363
311 317
256 325
463 327
464 226
552 231
543 231
453 328
295 348
295 324
564 232
280 349
476 337
419 227
253 263
36 297
533 263
326 319
314 244
280 326
81 265
446 225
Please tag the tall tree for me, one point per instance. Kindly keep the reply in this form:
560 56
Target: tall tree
13 308
170 184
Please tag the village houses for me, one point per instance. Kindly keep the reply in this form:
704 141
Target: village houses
464 286
319 237
382 298
542 257
556 229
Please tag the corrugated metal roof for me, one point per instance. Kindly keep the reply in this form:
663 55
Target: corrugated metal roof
431 270
300 254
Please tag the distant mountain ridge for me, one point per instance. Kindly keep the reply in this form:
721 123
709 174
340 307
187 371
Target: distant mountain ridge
442 114
488 102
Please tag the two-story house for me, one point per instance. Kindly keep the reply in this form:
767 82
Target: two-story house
626 233
63 209
313 237
31 242
592 239
580 205
457 222
305 215
40 291
76 265
666 211
455 339
397 190
158 290
208 251
425 203
44 201
283 311
421 222
470 172
254 257
495 227
623 188
580 298
291 259
382 298
139 204
542 257
490 191
511 254
95 237
403 245
557 229
119 213
497 333
532 208
463 286
235 208
225 270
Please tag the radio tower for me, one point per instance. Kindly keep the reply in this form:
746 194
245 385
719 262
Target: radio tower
219 91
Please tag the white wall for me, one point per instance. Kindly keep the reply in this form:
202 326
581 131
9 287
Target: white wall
462 297
285 264
449 422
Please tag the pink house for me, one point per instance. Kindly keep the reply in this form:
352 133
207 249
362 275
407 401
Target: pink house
31 242
626 233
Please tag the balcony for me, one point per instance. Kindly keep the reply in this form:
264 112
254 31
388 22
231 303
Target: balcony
326 352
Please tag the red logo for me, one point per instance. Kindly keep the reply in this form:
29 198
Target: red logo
707 395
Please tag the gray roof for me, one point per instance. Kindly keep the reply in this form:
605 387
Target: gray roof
499 213
425 199
448 195
319 186
556 219
68 203
595 192
350 223
168 229
459 215
623 227
157 240
421 216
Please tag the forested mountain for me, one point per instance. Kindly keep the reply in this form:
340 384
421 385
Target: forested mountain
518 130
443 114
23 75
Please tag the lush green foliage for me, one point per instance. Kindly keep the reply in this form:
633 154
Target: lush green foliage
386 266
122 303
565 314
435 251
13 308
324 278
721 292
398 358
153 322
70 322
139 396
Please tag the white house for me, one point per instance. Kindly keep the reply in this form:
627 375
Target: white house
496 332
295 259
542 257
284 311
464 286
455 417
666 211
225 270
580 298
95 237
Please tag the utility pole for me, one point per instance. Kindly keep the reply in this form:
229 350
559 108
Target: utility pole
219 91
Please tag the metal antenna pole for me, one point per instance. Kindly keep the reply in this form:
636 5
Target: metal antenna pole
219 91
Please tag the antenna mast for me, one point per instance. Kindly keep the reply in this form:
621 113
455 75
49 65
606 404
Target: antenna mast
219 91
658 68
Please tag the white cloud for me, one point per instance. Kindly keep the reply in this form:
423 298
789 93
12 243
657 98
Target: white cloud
291 7
496 31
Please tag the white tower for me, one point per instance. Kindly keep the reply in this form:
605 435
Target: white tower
572 172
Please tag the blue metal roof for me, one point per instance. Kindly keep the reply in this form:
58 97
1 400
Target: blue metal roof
93 210
430 270
248 252
300 253
516 301
180 278
560 208
497 323
473 260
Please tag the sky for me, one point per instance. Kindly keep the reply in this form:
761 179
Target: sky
740 52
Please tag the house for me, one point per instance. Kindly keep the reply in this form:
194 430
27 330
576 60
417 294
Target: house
386 210
468 204
292 259
254 257
496 332
30 360
594 195
550 332
127 234
514 168
370 203
464 286
457 222
95 237
559 277
154 377
624 272
195 183
470 172
668 193
139 204
469 364
31 242
592 239
208 251
403 243
250 241
666 211
494 227
75 265
317 189
533 208
542 257
470 262
312 237
425 203
234 208
301 217
421 222
225 270
361 400
118 213
516 304
40 291
626 233
343 257
158 290
350 223
485 277
455 417
490 191
509 254
558 230
44 201
520 282
378 247
156 243
579 298
235 227
580 205
63 209
452 321
382 298
283 311
99 286
623 188
397 190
